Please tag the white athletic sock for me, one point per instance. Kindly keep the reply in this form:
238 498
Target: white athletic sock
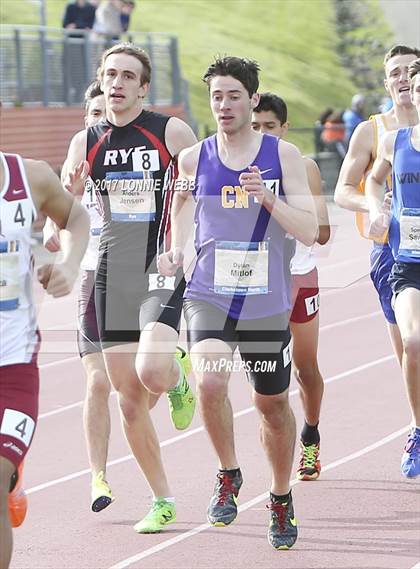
180 376
170 499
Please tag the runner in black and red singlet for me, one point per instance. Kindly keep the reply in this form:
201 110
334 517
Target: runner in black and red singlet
131 158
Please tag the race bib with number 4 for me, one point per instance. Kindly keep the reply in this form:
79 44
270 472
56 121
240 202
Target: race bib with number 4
18 425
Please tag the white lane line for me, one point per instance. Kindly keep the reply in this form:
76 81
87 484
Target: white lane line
416 566
350 320
80 403
62 327
247 505
76 405
327 291
58 362
197 430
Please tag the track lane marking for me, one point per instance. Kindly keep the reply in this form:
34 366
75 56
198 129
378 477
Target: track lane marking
197 430
254 501
80 403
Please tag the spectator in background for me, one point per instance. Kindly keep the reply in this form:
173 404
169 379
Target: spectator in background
108 20
79 15
333 134
126 9
319 127
352 117
386 104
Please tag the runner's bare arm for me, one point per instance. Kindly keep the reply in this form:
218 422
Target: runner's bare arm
69 215
182 213
178 135
296 214
375 182
354 166
64 171
315 185
76 156
51 236
51 233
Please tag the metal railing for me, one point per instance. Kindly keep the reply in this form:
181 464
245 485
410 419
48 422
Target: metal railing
325 155
48 66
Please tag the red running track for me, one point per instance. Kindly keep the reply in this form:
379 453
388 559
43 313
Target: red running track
361 513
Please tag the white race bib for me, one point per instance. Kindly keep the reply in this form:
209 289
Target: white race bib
287 354
9 275
272 186
18 425
410 232
131 196
241 268
146 161
312 304
90 201
159 282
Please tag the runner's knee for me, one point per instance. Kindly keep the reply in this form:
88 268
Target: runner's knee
307 373
212 386
99 385
153 376
411 346
133 400
272 407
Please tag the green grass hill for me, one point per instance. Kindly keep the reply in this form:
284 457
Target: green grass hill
294 41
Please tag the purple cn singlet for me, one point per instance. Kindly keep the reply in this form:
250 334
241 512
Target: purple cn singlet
242 267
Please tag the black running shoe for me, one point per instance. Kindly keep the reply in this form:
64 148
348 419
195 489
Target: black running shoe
282 531
223 507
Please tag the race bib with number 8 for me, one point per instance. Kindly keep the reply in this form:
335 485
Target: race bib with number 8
146 161
159 282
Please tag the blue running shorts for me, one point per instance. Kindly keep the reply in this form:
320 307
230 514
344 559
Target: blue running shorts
381 263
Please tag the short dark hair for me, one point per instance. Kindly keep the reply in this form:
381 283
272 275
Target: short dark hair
401 50
413 70
129 49
242 69
271 102
94 90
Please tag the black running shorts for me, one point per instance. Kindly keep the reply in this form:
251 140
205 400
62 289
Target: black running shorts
127 302
404 275
264 343
87 333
